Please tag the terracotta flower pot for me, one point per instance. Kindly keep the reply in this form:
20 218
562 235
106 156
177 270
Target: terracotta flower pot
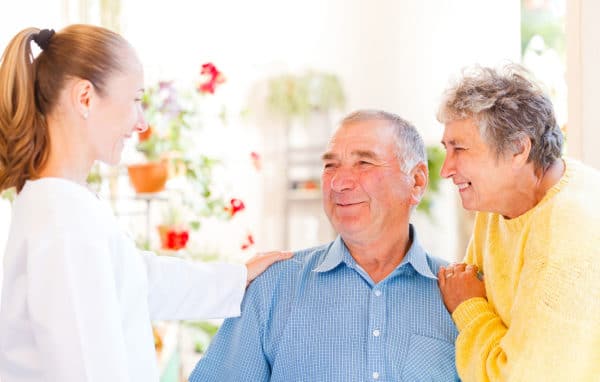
148 177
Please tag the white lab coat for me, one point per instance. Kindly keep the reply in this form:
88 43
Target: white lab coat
78 297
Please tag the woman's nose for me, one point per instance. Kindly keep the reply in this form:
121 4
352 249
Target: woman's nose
141 125
447 169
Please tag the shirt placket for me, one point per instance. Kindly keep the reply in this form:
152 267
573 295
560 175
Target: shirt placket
377 309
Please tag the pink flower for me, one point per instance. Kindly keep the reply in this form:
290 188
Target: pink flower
256 162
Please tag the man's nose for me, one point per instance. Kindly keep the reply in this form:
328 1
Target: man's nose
343 179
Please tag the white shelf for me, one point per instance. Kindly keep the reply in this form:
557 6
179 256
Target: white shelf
304 195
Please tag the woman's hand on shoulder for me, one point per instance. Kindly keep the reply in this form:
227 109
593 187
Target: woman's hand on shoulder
261 261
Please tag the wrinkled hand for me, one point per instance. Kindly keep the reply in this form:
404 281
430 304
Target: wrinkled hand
458 283
261 261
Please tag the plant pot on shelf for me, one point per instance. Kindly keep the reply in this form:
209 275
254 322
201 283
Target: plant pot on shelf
148 177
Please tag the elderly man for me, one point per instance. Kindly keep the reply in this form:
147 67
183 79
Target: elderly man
536 237
364 307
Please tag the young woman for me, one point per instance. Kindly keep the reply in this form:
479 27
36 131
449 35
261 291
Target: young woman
78 297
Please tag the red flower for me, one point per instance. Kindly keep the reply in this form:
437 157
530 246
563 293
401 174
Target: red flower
184 237
171 240
210 69
176 239
248 243
212 77
235 206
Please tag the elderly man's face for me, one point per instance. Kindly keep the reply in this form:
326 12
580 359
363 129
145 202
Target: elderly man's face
483 180
365 192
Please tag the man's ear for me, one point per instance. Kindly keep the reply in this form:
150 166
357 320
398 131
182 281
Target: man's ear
420 178
82 92
521 154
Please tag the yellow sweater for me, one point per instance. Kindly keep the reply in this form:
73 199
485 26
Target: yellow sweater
541 320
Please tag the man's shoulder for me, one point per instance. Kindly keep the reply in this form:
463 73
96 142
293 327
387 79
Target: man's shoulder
435 263
303 261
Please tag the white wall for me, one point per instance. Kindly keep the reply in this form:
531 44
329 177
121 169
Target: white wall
583 77
396 56
390 54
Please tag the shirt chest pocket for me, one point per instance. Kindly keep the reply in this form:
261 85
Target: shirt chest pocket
429 359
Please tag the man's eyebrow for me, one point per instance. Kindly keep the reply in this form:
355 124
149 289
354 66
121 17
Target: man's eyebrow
365 154
329 156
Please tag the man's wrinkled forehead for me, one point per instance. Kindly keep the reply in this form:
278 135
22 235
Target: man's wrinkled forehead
361 154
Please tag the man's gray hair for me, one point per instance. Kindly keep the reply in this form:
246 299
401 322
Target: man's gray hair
507 105
410 148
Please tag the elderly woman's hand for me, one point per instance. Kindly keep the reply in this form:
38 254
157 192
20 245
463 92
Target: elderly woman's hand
458 283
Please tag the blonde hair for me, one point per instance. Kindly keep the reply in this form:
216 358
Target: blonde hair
30 88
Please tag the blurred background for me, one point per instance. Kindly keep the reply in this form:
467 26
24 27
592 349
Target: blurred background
243 95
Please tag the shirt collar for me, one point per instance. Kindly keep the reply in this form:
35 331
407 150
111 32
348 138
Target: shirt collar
338 253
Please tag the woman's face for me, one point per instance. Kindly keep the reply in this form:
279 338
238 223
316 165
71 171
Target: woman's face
117 114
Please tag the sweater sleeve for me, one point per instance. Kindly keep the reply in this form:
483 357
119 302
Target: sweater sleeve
554 332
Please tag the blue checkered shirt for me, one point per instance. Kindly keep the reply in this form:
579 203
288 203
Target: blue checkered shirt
320 317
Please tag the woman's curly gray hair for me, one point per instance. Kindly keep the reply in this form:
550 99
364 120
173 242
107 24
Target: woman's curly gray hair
508 106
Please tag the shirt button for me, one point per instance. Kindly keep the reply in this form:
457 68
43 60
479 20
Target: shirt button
376 332
377 293
375 375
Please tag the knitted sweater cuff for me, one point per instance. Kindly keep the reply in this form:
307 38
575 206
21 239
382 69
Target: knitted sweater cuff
468 311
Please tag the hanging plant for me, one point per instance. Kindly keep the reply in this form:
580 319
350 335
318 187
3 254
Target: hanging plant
293 95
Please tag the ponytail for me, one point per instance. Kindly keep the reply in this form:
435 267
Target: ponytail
30 89
24 138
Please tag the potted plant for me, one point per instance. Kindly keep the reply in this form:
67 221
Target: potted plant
292 95
165 121
173 230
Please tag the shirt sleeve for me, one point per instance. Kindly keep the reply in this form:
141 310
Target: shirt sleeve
180 289
554 318
236 353
73 305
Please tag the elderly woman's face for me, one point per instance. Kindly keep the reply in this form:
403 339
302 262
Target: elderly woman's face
485 182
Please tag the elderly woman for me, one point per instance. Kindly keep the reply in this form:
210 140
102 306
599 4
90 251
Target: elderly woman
536 238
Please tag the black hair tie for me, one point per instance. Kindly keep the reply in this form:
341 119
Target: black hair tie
42 38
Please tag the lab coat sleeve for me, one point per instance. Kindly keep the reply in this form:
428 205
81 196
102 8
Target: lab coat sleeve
181 289
74 309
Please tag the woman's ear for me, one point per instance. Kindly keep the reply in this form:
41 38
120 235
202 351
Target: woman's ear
420 178
521 155
82 93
